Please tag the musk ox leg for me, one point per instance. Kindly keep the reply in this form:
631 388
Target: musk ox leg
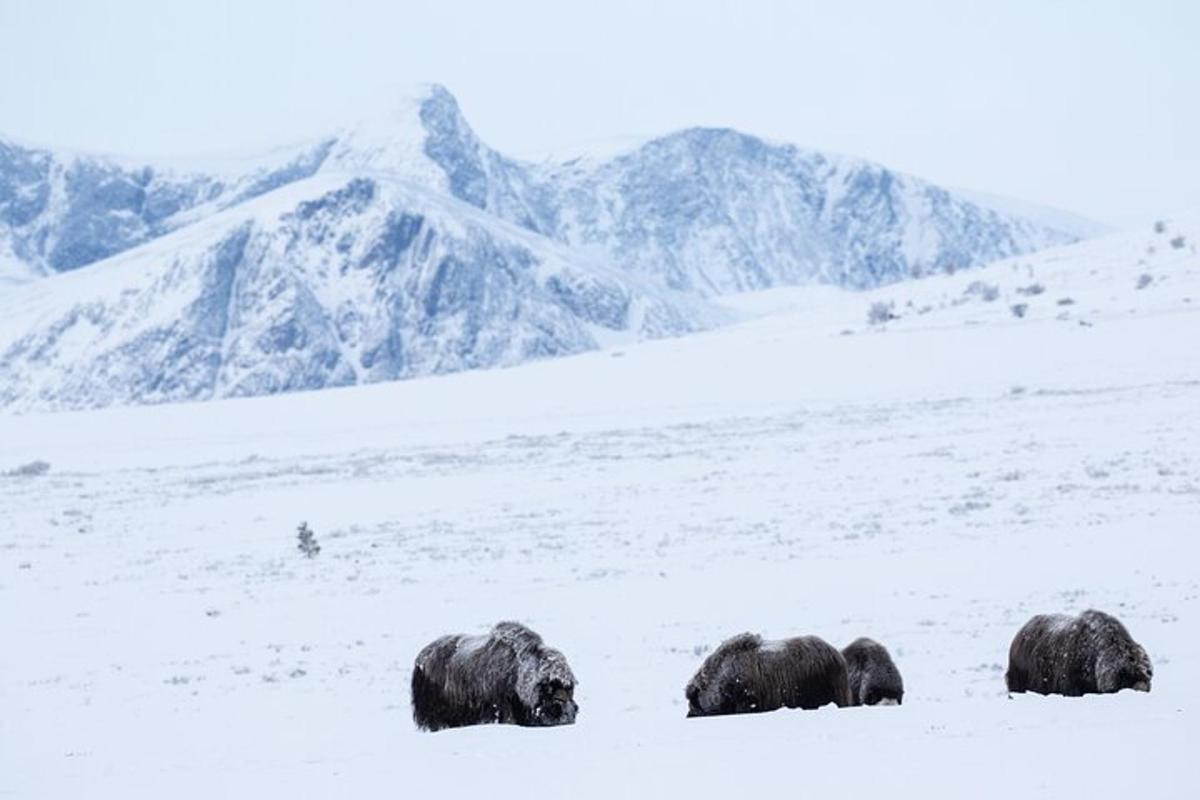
1015 680
841 688
431 711
831 684
818 694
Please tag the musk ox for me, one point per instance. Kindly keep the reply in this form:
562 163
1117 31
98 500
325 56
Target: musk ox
506 676
747 674
1073 656
874 679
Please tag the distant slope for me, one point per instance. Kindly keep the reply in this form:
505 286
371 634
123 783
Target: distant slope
1132 273
1080 227
1144 272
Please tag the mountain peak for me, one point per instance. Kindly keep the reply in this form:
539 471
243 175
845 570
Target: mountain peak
394 139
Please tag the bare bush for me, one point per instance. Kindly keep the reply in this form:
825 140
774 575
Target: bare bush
1032 290
881 312
307 541
1019 310
1144 280
986 292
31 470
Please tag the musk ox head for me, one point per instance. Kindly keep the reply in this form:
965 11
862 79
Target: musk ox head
702 691
1130 668
555 704
706 691
547 687
874 679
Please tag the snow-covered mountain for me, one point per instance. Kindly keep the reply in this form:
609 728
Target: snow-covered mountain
719 211
406 246
334 280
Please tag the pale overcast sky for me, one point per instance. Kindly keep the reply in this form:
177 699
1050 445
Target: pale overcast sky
1092 106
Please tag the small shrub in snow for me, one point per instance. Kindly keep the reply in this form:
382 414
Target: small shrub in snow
1019 310
1177 242
881 312
307 541
30 470
1066 301
984 291
1160 227
1032 290
1144 280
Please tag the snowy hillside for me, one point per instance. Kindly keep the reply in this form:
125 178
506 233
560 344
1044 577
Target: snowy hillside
330 281
1155 270
170 296
931 479
63 211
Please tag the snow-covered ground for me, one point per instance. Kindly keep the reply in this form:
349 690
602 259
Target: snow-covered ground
930 481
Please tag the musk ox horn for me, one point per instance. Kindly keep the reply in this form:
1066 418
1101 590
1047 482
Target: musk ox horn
874 679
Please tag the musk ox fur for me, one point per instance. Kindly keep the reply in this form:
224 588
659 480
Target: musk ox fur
1092 653
506 676
874 679
748 674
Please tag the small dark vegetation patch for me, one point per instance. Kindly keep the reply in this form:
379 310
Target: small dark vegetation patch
881 312
31 470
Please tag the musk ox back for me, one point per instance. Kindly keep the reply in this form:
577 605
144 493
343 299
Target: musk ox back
1073 656
505 676
747 674
874 679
